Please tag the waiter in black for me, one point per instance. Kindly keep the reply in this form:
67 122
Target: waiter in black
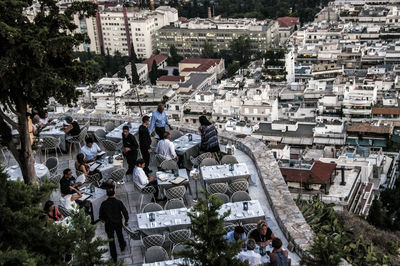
145 142
131 148
111 211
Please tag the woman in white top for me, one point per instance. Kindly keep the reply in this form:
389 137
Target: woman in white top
68 201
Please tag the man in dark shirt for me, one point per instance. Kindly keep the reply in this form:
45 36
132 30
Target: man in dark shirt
111 211
145 142
262 235
131 148
66 181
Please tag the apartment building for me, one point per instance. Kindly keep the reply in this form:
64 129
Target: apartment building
189 36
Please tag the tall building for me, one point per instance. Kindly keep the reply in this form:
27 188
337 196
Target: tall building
189 36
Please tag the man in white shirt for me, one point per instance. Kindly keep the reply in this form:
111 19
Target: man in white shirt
44 120
252 257
166 148
141 179
90 150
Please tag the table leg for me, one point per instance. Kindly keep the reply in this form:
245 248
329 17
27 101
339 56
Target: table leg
197 191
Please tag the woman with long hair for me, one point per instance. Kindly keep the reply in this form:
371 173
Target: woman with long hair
209 136
52 212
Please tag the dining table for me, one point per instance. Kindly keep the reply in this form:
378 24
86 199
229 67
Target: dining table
116 134
14 172
187 146
224 172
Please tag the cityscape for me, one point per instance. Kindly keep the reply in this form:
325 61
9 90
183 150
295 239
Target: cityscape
198 132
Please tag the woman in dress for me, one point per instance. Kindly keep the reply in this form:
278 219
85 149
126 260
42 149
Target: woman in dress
209 136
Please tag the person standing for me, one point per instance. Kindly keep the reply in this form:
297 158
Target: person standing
111 211
145 142
159 120
209 136
131 148
279 257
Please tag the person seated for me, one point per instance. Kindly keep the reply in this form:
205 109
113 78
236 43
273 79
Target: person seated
278 256
71 130
262 235
236 235
44 119
36 127
141 179
52 212
69 201
90 150
68 181
254 258
81 165
166 148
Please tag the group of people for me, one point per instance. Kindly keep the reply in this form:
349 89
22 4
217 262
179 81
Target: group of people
261 236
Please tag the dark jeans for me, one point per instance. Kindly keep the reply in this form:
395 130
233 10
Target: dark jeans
155 185
110 228
131 157
146 159
160 132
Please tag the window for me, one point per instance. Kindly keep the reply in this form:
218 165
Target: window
177 107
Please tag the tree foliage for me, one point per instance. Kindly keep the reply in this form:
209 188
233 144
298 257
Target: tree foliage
208 245
208 50
174 58
135 75
153 73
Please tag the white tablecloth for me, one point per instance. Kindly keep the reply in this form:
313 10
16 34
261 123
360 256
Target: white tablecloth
186 148
116 134
253 214
167 184
56 132
167 262
95 200
221 173
15 172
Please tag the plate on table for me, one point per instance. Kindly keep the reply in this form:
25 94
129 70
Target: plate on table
14 167
42 167
177 180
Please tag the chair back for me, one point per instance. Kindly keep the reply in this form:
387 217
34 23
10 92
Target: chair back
241 185
240 196
118 175
109 146
174 204
50 142
152 207
249 227
94 179
175 192
100 134
217 188
153 240
52 164
229 227
56 179
179 236
87 124
208 162
135 235
145 190
155 254
83 135
175 251
169 165
159 159
228 159
175 134
223 197
109 126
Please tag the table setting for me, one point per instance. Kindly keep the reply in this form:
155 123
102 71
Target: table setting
248 211
186 146
224 173
116 134
168 178
15 173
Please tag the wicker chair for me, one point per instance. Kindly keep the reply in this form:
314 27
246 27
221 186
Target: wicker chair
56 179
228 159
223 197
175 134
155 254
176 192
174 204
50 143
100 135
52 164
241 185
240 196
79 139
217 188
169 165
87 124
153 240
134 235
110 146
152 207
229 227
196 161
94 179
64 211
159 159
175 251
208 162
149 190
249 227
179 236
109 126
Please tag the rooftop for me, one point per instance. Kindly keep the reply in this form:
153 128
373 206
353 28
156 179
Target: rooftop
320 173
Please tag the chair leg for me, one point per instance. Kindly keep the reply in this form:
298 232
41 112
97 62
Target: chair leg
141 202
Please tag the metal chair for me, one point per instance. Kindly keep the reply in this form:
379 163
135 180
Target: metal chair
50 143
240 196
208 162
175 192
152 207
174 204
78 139
175 251
179 236
159 159
153 240
229 227
249 227
155 254
64 211
110 147
94 179
52 164
134 235
145 191
56 179
217 188
241 185
118 176
100 134
169 165
175 134
223 197
196 161
228 159
109 126
87 124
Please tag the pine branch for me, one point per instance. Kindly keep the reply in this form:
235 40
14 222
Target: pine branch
9 120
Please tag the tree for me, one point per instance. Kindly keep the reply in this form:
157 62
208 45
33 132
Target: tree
233 68
37 62
153 72
376 214
175 72
122 72
133 57
173 58
209 246
135 75
239 50
208 50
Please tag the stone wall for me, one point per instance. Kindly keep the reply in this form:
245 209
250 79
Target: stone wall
287 214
